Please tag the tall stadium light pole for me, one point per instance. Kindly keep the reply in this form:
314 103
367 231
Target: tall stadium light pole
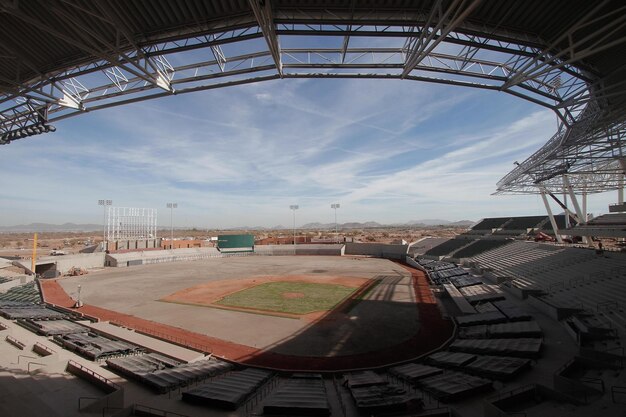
294 208
335 206
172 206
104 204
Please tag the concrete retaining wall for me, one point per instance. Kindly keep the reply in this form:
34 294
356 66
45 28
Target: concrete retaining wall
275 250
304 249
379 250
66 262
160 256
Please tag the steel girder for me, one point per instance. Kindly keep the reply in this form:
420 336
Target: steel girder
440 47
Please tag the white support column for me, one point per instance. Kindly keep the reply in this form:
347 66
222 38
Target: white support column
579 212
585 214
567 221
622 174
572 196
550 215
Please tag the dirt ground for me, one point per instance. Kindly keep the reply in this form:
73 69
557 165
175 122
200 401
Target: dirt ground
397 320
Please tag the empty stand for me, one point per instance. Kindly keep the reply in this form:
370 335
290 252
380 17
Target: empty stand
27 293
497 367
92 346
363 379
524 223
450 359
490 223
453 386
481 318
464 306
519 347
479 293
29 311
384 398
302 394
414 371
448 247
53 327
480 246
162 374
229 391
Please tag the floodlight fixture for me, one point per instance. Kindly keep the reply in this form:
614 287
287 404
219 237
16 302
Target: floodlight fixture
335 206
172 206
294 207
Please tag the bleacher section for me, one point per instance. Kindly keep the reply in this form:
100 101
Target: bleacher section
425 244
302 394
491 223
480 246
53 327
29 311
453 386
448 247
524 223
607 225
551 269
613 219
93 347
498 367
27 293
376 396
522 347
162 374
229 391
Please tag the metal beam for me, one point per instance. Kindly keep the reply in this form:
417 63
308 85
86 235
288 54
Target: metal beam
554 56
265 17
441 21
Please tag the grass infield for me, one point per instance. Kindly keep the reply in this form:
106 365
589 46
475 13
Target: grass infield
289 297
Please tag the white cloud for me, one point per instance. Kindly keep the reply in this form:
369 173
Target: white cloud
387 151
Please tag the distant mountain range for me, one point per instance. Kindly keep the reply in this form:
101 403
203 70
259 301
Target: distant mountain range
47 227
73 227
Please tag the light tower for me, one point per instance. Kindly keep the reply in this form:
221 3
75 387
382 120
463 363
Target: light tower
172 206
335 207
104 204
294 207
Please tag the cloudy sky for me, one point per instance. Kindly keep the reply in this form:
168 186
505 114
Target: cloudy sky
387 151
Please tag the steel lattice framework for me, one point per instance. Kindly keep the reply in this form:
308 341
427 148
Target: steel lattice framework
568 56
124 223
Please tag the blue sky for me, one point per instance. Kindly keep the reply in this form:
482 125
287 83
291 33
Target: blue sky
388 151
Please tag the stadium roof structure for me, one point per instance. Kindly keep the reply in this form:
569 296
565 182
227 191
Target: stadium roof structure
61 58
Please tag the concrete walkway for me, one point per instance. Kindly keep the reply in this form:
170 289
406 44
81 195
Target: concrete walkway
154 345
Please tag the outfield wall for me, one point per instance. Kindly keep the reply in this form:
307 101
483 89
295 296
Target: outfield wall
285 250
379 250
160 256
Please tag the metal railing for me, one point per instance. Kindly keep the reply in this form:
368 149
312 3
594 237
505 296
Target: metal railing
617 390
15 342
594 381
167 337
34 363
94 375
156 411
43 348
